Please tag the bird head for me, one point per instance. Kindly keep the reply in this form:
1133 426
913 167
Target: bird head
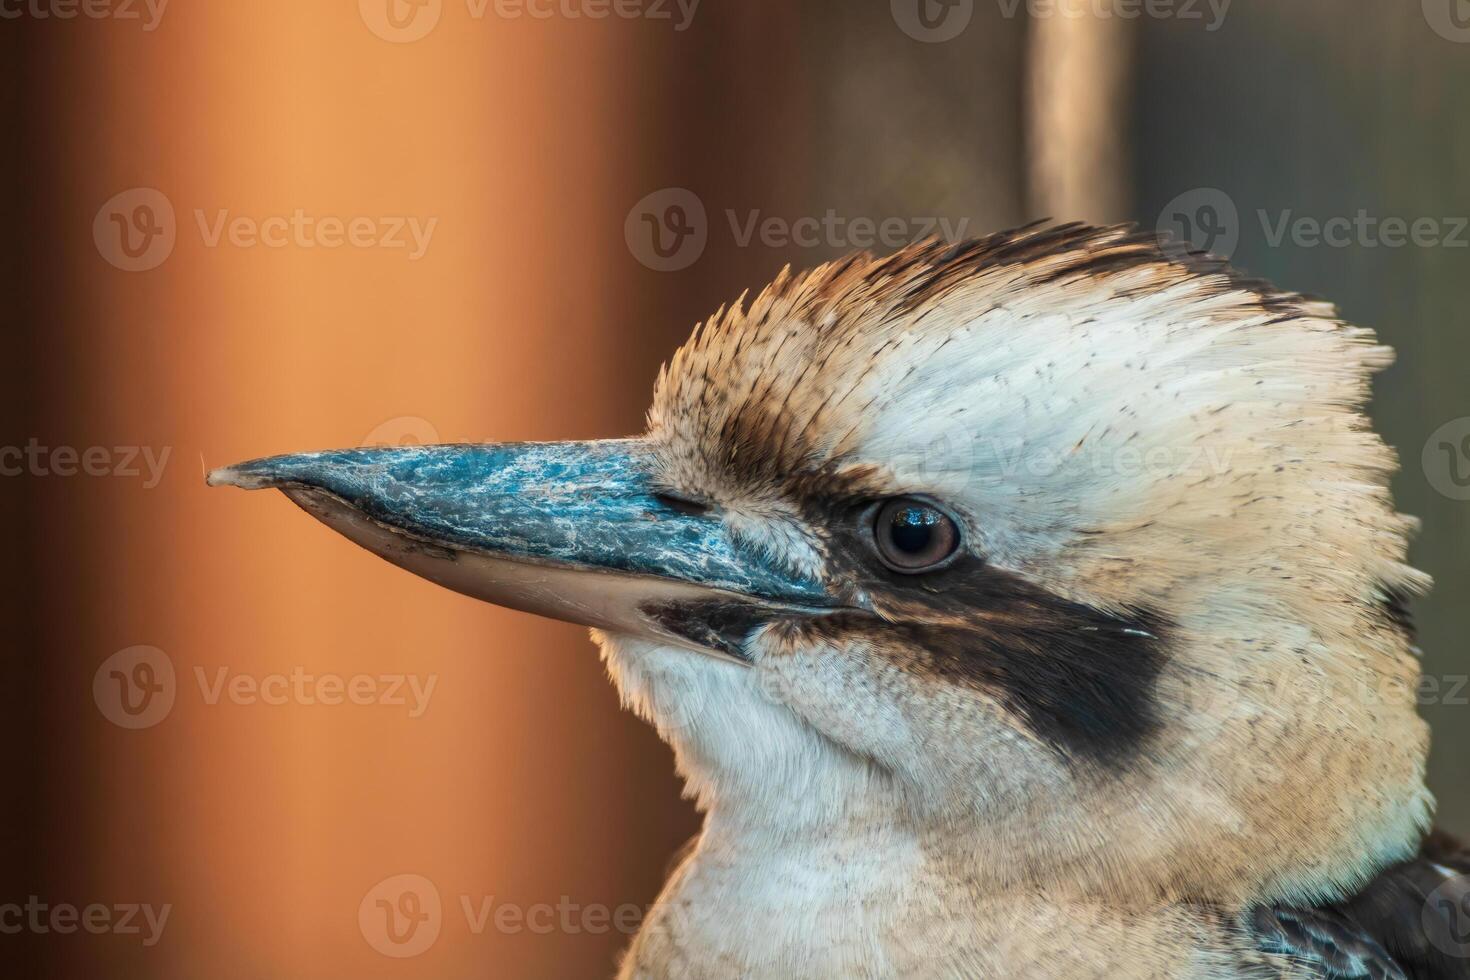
1066 557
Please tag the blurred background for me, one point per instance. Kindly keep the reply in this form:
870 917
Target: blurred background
240 229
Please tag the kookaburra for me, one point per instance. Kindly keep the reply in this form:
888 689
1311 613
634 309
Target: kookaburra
1032 607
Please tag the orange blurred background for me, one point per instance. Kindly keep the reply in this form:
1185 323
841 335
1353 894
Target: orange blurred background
518 147
264 826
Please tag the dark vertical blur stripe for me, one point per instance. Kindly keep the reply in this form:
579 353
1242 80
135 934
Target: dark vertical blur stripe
797 110
727 103
21 850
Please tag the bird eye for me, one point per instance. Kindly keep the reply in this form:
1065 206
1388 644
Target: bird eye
914 536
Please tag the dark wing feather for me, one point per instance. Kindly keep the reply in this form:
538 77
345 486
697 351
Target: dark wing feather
1411 922
1324 939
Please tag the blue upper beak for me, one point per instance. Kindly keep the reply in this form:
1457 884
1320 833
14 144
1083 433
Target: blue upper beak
577 531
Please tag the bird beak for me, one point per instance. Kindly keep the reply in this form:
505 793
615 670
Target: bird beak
575 531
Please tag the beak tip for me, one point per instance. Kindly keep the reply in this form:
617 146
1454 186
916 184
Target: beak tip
232 476
222 477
